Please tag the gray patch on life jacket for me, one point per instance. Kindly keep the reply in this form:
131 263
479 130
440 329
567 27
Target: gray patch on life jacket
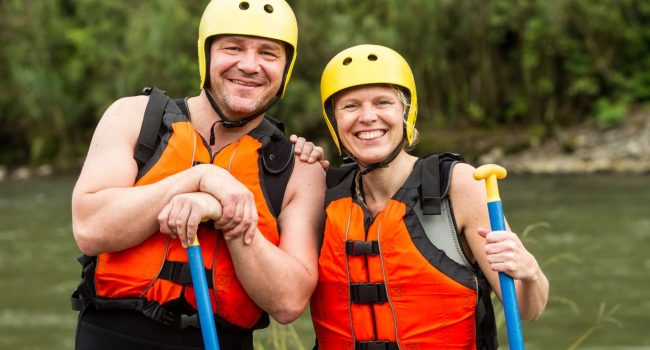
441 232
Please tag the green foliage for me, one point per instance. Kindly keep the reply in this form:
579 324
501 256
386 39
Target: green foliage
278 337
65 61
608 112
603 318
477 63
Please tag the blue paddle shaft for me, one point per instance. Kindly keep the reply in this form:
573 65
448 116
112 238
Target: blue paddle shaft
203 303
508 293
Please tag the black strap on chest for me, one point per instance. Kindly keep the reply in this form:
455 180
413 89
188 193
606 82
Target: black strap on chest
362 247
179 273
375 345
368 293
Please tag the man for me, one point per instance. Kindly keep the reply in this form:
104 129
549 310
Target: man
260 258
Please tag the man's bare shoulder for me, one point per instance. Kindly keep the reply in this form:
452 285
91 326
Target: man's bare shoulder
307 182
122 120
127 108
310 173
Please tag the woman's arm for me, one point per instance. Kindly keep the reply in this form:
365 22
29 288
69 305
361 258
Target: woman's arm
498 251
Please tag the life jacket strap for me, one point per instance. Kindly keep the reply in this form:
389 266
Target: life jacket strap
375 345
430 200
149 131
486 331
368 293
179 272
362 247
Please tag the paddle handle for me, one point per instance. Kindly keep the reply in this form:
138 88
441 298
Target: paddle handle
200 284
490 173
508 293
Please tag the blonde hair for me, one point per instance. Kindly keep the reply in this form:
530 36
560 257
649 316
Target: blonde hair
401 96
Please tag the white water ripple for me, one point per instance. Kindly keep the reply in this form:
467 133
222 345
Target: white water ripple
20 319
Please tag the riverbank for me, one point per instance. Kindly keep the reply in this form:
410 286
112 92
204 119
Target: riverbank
25 172
581 149
585 149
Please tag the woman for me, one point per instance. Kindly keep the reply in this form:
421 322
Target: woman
405 262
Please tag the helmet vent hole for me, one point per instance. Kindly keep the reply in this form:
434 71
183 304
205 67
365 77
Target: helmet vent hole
372 57
268 8
244 5
347 61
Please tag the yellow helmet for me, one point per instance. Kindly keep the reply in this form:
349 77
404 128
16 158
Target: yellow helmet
271 19
363 65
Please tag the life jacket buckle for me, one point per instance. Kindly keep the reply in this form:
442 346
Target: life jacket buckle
375 345
189 321
368 293
362 248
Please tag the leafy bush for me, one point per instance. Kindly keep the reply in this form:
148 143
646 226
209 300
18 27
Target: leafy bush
478 63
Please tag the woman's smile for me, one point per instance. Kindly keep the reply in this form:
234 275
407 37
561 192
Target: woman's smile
370 134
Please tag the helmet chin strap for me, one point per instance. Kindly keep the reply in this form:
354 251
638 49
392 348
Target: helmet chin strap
230 123
386 162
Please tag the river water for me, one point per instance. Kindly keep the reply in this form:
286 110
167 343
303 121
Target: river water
591 234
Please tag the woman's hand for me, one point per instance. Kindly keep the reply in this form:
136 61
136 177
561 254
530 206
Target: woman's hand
181 217
308 152
506 253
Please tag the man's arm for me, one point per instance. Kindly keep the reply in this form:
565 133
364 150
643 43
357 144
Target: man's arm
281 279
108 213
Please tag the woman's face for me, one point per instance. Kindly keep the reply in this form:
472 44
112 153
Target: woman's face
369 122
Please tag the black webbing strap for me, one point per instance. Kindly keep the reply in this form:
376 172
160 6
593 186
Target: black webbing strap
151 309
430 179
150 125
180 102
85 292
277 122
278 161
368 293
362 248
375 345
486 331
77 301
179 272
85 296
334 176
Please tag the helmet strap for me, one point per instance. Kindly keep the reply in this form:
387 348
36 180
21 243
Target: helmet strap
230 123
386 162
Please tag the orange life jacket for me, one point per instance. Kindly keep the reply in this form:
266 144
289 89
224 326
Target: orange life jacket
383 283
155 272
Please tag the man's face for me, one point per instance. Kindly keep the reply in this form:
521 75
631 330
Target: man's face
245 73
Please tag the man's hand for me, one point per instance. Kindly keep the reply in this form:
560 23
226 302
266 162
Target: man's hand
308 152
239 214
181 217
